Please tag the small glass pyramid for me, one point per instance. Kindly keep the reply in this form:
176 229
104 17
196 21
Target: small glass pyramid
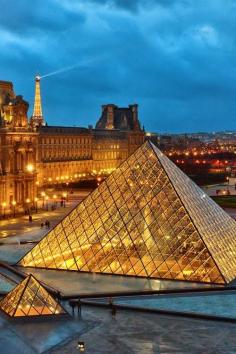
30 298
146 219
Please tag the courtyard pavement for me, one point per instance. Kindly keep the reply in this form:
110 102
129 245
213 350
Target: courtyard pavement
19 230
129 332
33 336
142 333
20 227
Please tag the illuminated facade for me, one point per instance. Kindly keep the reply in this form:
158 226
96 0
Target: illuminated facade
74 153
30 298
18 142
146 219
33 154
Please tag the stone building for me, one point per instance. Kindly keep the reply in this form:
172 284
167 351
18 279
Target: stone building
34 154
18 144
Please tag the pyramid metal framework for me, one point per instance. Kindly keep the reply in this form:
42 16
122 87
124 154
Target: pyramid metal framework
146 219
30 298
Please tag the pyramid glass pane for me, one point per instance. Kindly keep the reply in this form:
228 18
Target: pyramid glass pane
29 298
217 228
146 219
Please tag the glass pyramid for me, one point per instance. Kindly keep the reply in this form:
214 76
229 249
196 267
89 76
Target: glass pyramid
29 298
146 219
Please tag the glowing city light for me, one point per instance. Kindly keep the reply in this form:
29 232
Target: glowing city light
30 167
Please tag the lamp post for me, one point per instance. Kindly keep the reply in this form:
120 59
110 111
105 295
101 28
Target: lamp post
14 208
99 179
81 346
67 187
64 198
46 198
28 206
36 204
54 199
4 204
43 194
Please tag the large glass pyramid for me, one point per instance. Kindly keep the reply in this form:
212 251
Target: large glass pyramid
146 219
29 298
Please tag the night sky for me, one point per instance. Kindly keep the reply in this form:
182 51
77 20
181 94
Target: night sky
175 58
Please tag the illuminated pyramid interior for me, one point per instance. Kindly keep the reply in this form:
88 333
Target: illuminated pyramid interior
29 298
146 219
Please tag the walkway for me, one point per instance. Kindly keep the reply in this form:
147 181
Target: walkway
130 332
142 333
21 228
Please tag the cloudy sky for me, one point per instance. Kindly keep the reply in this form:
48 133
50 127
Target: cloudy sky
175 58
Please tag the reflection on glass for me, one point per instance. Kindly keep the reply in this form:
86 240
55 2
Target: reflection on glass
29 298
147 219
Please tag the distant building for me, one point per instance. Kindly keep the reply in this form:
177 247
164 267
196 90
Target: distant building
33 154
114 117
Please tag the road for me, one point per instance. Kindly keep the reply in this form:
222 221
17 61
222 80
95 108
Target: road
224 187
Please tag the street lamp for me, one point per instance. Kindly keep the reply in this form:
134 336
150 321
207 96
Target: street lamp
28 205
43 194
81 346
54 198
4 204
30 167
36 204
14 208
46 202
99 180
64 197
67 187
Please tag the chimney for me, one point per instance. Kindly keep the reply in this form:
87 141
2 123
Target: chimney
110 110
134 109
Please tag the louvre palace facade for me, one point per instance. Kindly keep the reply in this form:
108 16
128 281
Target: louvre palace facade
34 154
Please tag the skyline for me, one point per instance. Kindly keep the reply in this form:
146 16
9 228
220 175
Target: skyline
174 58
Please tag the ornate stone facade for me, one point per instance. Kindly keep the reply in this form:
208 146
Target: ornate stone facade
18 143
32 156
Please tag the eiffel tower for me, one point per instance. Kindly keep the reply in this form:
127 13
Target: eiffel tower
37 118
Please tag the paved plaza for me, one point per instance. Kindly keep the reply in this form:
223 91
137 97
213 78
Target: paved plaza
20 228
142 333
126 333
18 235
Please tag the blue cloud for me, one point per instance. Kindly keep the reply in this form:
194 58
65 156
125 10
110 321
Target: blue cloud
175 58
